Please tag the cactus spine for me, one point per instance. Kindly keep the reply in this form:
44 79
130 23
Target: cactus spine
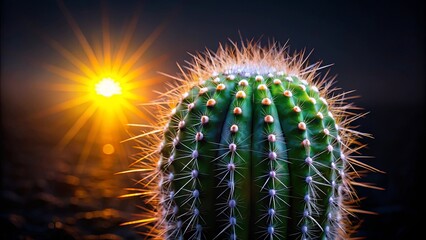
255 147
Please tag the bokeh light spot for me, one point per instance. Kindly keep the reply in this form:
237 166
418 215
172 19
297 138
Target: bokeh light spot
108 149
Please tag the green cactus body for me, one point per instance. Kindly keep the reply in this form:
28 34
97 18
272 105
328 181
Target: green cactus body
252 152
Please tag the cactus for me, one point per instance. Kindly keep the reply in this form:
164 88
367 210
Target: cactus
250 144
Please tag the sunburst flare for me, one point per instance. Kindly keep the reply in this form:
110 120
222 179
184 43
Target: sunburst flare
106 83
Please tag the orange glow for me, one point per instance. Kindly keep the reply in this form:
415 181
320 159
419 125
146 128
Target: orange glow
105 81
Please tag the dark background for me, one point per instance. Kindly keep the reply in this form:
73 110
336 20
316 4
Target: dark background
377 48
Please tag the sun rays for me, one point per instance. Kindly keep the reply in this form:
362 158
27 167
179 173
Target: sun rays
105 82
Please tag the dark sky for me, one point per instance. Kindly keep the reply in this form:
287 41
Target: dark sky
377 48
373 44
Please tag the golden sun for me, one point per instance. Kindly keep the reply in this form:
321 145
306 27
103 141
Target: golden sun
108 87
106 79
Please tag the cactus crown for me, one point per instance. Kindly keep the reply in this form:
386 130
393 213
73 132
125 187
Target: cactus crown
249 142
